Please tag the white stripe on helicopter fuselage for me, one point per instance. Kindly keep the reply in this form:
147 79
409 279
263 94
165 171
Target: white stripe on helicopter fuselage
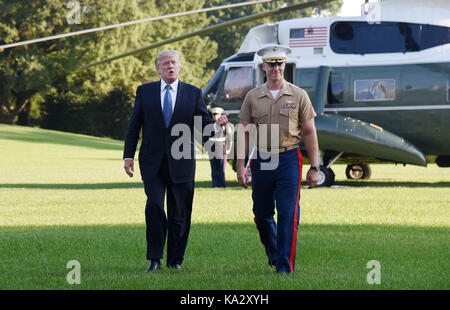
388 108
369 109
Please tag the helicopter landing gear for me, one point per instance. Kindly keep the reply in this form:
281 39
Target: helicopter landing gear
326 175
358 172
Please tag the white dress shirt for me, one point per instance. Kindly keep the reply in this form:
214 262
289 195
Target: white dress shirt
173 94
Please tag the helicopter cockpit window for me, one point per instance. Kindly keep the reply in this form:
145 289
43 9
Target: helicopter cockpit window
237 84
386 37
374 90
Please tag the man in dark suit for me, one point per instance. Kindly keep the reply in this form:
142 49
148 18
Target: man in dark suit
159 107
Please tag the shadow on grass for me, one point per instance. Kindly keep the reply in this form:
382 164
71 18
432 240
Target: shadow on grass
225 256
94 186
58 137
392 184
38 135
208 184
75 186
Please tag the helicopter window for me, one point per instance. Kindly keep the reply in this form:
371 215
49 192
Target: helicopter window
238 82
433 36
336 89
306 78
385 37
448 90
342 31
374 90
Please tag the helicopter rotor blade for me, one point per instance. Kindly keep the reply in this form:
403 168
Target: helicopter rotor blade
134 22
207 30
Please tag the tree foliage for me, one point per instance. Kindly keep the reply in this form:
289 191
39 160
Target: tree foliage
49 68
40 83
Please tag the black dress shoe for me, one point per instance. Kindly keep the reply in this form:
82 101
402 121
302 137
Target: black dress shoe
273 263
154 266
176 267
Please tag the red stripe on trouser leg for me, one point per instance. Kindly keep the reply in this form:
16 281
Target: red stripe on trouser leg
294 234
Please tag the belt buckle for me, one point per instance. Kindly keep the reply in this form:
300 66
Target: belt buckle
282 150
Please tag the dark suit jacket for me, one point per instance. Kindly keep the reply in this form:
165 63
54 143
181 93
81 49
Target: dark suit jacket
156 138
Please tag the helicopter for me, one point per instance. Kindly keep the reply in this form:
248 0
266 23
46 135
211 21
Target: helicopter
379 82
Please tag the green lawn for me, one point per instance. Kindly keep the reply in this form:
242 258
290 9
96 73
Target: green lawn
66 197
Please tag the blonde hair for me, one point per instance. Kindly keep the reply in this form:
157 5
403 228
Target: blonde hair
166 53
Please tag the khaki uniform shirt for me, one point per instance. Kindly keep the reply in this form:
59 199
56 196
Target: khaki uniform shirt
289 110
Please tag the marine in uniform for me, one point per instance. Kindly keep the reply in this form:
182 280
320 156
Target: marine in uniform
218 149
287 108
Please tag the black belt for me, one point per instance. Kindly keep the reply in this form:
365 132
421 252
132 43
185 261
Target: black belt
279 150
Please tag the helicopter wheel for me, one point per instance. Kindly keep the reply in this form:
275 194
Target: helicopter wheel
326 177
358 172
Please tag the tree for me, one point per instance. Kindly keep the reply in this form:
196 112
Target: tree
46 73
48 68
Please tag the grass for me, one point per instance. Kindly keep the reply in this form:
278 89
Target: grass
66 197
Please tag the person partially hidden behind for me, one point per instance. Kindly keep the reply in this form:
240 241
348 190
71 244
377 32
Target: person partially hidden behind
158 107
279 105
218 148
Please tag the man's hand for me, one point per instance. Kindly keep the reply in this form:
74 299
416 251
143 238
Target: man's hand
129 167
242 176
222 120
312 147
312 177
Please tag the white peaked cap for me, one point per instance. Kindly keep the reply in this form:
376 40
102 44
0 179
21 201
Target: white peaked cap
275 53
216 110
